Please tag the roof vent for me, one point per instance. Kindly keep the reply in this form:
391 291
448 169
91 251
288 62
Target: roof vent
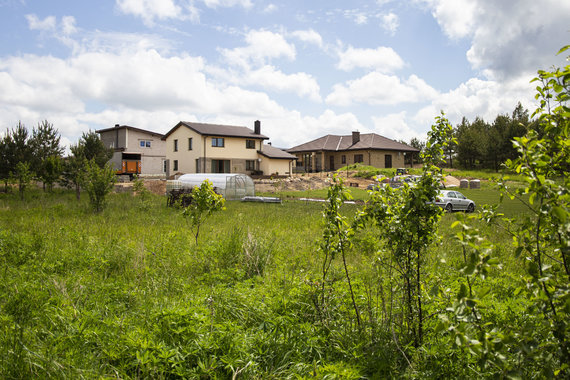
117 125
257 127
355 137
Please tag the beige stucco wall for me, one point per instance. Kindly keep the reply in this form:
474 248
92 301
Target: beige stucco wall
234 150
275 166
186 158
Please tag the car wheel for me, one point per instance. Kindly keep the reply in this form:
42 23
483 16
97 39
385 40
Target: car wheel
448 208
471 207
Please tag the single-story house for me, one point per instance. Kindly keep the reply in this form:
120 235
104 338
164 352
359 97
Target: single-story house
332 152
213 148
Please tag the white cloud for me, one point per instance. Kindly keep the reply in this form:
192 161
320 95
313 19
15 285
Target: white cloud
479 98
390 22
395 126
271 8
228 3
151 10
359 17
383 59
249 64
68 25
376 88
331 123
46 25
456 17
268 77
309 36
508 38
128 83
49 27
262 46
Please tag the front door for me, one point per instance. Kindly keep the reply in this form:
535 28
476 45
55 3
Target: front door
331 161
388 161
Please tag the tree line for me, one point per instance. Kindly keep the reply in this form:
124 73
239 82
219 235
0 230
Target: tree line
479 144
38 155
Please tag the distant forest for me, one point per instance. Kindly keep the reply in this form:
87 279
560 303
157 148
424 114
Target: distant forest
482 145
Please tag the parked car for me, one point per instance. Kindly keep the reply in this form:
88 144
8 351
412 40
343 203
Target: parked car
452 200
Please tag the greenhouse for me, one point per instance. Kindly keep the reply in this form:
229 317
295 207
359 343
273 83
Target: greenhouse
230 186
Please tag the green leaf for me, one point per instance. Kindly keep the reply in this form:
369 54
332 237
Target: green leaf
563 49
560 214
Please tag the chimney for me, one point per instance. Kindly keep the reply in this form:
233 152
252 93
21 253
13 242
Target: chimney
257 127
355 137
116 125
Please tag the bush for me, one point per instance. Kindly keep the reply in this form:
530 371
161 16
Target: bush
98 182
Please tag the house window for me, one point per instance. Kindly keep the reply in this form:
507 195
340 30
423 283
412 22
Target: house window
175 165
343 159
250 144
189 143
144 143
250 165
218 142
358 158
164 166
176 146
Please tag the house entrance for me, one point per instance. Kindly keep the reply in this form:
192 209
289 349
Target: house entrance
388 161
221 166
331 161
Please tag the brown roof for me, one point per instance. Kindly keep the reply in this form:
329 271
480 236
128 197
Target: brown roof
217 130
336 143
117 126
273 152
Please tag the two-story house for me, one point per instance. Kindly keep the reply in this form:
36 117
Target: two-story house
214 148
136 146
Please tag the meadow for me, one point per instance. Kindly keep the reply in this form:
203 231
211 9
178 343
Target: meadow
127 293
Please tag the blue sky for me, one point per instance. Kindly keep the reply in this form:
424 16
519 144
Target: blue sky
304 68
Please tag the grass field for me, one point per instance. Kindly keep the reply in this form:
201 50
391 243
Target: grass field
127 293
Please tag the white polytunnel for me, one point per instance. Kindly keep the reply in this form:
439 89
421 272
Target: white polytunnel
230 186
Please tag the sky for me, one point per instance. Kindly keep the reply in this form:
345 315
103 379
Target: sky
305 69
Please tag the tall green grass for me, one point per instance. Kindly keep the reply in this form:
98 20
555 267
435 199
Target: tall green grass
127 293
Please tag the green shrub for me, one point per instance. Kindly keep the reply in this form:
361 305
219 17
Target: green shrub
98 182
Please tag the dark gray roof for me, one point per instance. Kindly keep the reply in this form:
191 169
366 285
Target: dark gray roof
218 130
116 127
273 152
336 143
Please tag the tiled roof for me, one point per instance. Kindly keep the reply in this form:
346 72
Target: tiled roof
272 152
218 130
128 127
339 143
